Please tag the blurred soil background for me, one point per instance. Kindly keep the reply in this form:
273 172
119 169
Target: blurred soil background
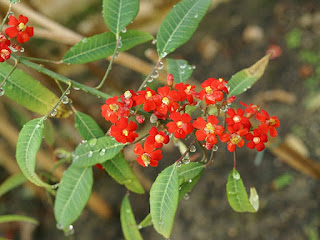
233 36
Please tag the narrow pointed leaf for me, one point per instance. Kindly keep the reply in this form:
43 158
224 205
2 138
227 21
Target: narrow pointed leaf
72 195
128 223
102 45
186 187
180 24
244 79
17 218
11 183
48 132
164 200
119 169
189 171
254 198
96 150
28 145
179 69
24 90
236 193
87 126
118 14
146 222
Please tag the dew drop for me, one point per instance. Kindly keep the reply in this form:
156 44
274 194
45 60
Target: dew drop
236 176
139 227
84 40
155 74
154 41
160 65
193 148
183 72
161 222
183 66
92 142
186 196
1 92
69 231
196 15
116 54
124 30
186 160
65 100
224 108
83 141
21 49
127 211
11 13
13 49
68 92
75 88
102 152
55 186
190 181
150 80
153 118
90 154
120 45
163 55
179 164
59 226
215 148
54 112
179 188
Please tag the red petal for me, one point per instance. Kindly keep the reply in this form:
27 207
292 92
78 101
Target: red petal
201 135
175 116
185 118
273 132
260 146
138 149
29 31
153 163
156 155
231 147
200 123
22 37
148 148
212 119
251 145
13 21
122 123
23 19
172 127
121 139
153 131
11 32
212 139
139 160
132 126
231 112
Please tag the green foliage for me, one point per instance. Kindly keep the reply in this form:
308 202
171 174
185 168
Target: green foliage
28 145
118 14
179 69
180 24
146 222
293 38
244 79
11 183
24 90
128 223
102 45
189 171
72 195
48 132
237 195
96 150
186 187
282 181
17 218
87 126
164 200
119 169
14 1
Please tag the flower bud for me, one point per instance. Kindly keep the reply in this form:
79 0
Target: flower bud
275 51
170 80
140 118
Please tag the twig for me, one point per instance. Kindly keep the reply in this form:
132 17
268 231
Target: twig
6 17
187 151
16 62
149 75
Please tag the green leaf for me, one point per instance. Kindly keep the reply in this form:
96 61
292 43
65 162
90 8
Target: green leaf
17 218
189 171
146 222
49 132
24 90
14 1
72 195
179 69
243 80
96 150
87 126
186 187
180 24
118 14
11 183
236 193
119 169
128 223
28 145
102 45
164 200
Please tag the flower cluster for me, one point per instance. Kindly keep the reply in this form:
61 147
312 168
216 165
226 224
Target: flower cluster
18 29
167 107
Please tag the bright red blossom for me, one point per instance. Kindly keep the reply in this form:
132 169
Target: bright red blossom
19 29
268 123
5 52
157 138
213 90
123 131
208 130
186 92
128 98
237 121
113 110
234 139
257 140
146 97
166 100
181 125
147 155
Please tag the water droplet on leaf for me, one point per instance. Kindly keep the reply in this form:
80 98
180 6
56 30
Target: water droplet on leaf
1 92
102 152
92 142
124 30
196 15
65 100
160 65
155 74
186 196
193 148
163 55
236 176
215 148
54 112
69 231
90 154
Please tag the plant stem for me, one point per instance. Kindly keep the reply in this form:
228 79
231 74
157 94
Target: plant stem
42 60
204 152
5 18
110 64
60 78
146 79
234 159
187 151
16 62
210 159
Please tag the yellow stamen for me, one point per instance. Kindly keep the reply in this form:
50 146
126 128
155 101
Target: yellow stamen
127 94
256 140
235 138
125 132
114 107
209 128
208 90
272 122
180 124
146 159
4 53
148 95
22 27
236 118
165 100
159 138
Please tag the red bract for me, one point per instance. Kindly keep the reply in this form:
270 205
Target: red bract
257 139
19 28
237 120
157 138
234 139
123 131
5 52
146 97
166 100
268 123
186 91
208 130
147 155
181 125
213 90
113 110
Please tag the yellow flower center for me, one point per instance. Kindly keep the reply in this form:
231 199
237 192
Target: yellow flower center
236 118
159 138
21 26
4 53
208 90
125 132
180 124
272 122
165 100
127 94
148 95
146 159
220 79
256 140
187 90
235 139
114 107
209 128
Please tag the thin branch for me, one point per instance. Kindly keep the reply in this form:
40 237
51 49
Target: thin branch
16 62
187 151
149 75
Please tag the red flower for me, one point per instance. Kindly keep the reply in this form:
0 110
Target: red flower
213 90
257 139
99 166
148 155
251 109
181 125
166 100
4 40
268 123
186 91
113 110
208 130
157 138
123 131
146 97
19 28
234 139
128 98
237 120
5 52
